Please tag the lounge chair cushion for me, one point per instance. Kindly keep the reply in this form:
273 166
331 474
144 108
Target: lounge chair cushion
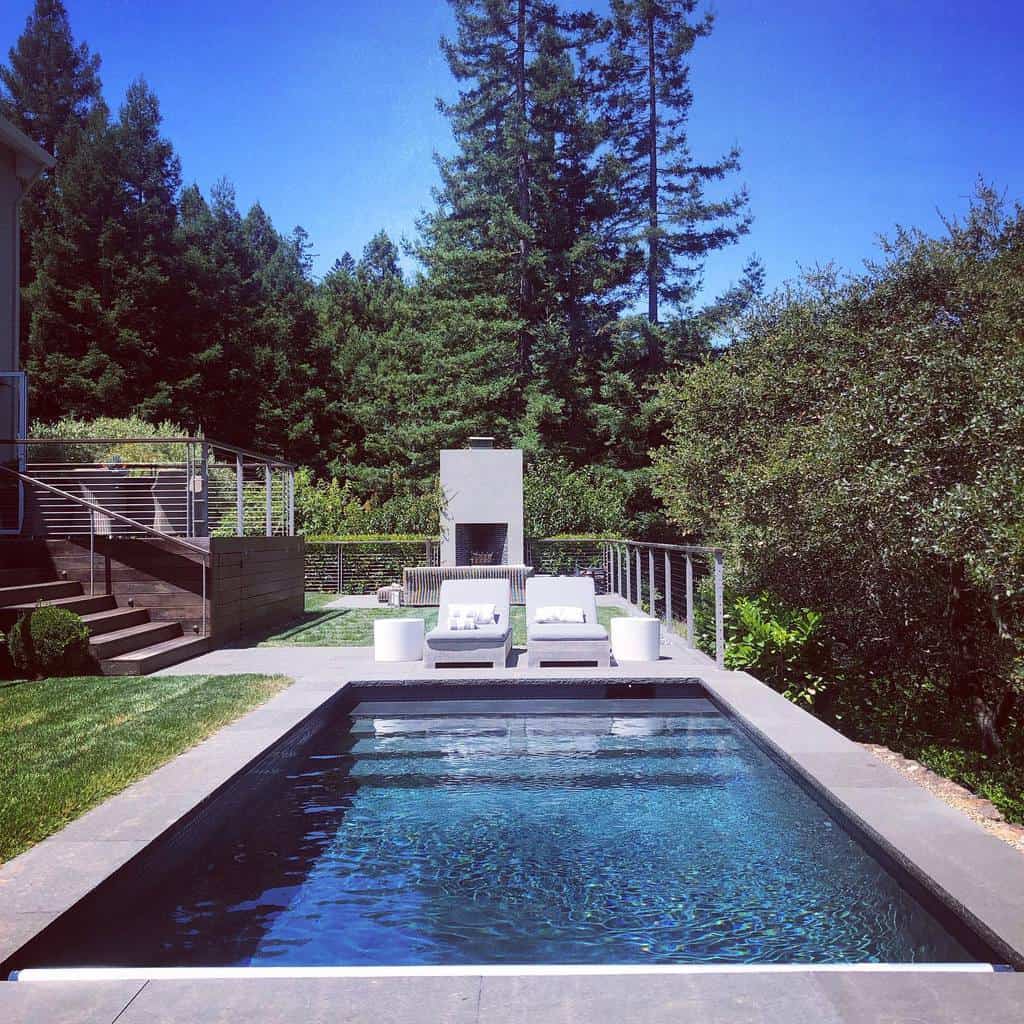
566 631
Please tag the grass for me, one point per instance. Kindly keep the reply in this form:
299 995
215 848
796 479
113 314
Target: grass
353 627
68 744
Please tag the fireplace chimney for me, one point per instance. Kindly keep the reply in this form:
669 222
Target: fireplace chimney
482 515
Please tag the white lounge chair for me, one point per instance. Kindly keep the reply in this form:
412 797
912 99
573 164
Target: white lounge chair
564 641
489 642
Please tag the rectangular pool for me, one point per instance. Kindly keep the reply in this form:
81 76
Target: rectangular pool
561 831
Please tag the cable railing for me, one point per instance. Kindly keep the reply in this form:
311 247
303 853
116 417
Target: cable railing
94 512
662 577
178 486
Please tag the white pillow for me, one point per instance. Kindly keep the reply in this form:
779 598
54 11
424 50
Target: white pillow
559 613
460 620
481 614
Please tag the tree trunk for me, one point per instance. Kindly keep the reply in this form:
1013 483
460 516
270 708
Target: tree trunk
968 674
523 184
652 182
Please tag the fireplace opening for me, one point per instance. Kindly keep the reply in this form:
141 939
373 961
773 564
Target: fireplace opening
481 543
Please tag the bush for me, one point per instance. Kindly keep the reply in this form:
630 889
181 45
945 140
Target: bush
49 642
6 665
329 508
118 430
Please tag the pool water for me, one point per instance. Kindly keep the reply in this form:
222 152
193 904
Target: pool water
518 832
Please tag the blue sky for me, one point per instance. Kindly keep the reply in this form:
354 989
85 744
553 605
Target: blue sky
852 117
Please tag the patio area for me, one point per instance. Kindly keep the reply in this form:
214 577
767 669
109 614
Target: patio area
973 870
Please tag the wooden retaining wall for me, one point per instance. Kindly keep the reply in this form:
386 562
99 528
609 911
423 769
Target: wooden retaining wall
256 584
253 584
137 572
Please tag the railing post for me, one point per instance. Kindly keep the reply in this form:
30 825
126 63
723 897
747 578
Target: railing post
650 583
629 581
268 479
668 589
189 510
239 496
203 526
291 502
689 599
92 552
341 568
639 580
719 609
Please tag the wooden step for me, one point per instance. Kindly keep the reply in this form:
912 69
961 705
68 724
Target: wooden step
114 618
16 577
38 592
83 605
150 659
133 638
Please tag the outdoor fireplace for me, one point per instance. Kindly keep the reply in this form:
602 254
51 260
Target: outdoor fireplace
481 544
482 517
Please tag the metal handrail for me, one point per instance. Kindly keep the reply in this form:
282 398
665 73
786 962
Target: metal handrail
109 513
691 549
272 460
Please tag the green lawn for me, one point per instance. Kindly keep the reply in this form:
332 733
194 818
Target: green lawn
353 627
68 744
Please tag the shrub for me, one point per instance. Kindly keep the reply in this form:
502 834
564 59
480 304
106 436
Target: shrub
117 430
6 665
19 646
49 642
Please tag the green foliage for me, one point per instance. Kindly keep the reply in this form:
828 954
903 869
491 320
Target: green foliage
561 499
647 103
858 451
115 431
49 642
6 662
19 646
780 646
328 508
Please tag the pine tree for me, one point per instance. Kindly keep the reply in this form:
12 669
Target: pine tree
648 100
51 84
49 89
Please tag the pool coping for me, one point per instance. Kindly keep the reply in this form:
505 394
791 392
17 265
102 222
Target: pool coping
972 871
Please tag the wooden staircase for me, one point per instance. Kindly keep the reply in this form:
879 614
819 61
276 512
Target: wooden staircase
123 641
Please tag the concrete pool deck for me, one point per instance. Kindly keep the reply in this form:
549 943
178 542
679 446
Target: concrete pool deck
969 869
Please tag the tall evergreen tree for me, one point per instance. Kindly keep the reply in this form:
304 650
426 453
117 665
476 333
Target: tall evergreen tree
50 83
648 99
49 89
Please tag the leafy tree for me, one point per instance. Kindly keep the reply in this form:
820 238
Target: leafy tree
663 187
859 451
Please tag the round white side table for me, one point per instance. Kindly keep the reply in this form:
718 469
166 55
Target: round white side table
635 638
397 639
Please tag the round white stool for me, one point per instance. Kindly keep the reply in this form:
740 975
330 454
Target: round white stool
635 639
397 639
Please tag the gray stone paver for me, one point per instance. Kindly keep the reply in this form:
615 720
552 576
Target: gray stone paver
941 845
83 1002
308 1001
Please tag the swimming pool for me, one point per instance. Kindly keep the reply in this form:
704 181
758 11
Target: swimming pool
559 831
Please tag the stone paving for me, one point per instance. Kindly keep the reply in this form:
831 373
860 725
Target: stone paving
972 870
